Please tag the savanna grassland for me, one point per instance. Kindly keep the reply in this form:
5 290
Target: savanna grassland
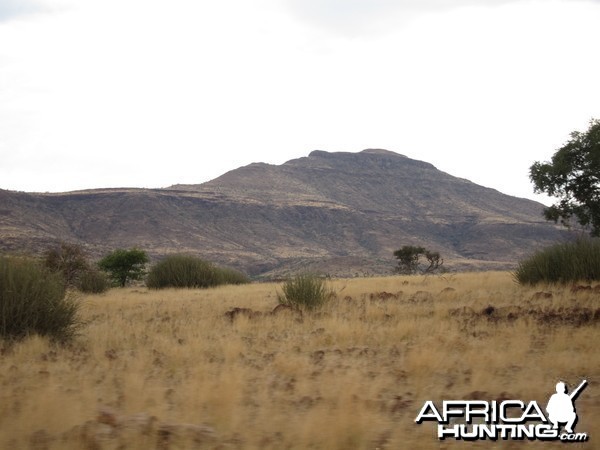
169 369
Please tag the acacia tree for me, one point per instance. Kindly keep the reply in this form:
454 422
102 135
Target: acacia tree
408 260
124 265
573 175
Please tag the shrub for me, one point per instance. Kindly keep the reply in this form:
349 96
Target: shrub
227 275
34 301
305 291
567 262
93 282
181 271
186 271
69 260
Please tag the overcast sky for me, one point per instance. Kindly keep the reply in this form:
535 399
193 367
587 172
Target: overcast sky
149 93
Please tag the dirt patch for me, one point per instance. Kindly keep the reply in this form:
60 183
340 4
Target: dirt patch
541 295
279 310
383 296
484 395
232 314
573 315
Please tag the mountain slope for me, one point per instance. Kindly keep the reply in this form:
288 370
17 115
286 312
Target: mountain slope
336 212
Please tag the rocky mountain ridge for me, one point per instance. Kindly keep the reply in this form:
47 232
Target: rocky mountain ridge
340 213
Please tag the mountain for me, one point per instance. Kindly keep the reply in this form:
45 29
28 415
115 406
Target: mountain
340 213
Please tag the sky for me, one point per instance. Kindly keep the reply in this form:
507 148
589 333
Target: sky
150 93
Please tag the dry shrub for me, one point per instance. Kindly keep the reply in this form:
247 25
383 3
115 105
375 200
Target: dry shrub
34 301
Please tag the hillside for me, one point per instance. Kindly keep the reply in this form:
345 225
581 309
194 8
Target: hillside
341 213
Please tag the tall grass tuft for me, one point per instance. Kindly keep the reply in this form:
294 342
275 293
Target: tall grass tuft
567 262
34 301
186 271
305 292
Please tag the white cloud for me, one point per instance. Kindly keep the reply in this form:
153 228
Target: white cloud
357 17
9 9
145 93
21 9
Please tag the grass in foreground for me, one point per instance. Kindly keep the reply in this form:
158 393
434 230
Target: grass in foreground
174 372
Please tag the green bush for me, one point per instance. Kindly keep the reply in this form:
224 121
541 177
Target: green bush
186 271
567 262
227 275
305 291
123 266
93 282
34 301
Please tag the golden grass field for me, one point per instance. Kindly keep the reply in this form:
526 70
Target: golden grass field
168 369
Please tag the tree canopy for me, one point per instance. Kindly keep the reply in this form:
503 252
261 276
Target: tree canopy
124 265
573 176
408 260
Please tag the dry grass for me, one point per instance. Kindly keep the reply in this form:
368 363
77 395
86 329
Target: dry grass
353 376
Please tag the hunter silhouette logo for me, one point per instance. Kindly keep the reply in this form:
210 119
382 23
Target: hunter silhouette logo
507 419
560 406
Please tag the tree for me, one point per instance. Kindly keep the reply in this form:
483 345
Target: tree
124 265
408 260
573 175
67 259
434 260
